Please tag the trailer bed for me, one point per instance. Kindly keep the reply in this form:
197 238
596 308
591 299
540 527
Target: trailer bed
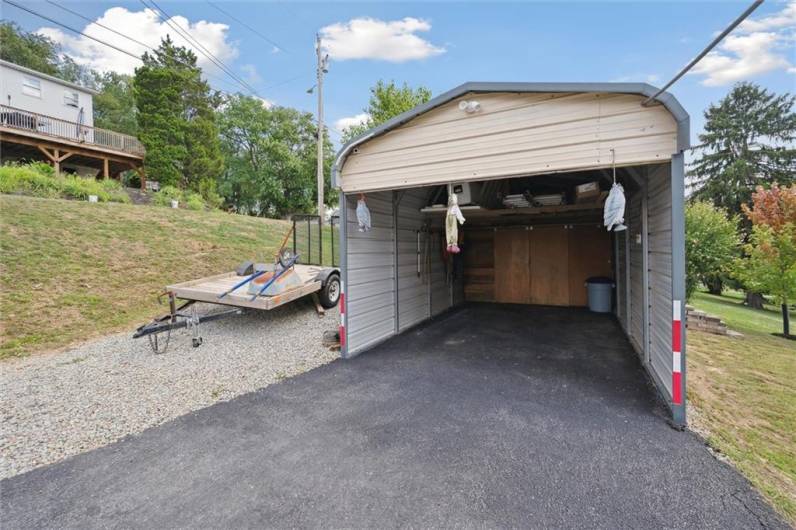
210 288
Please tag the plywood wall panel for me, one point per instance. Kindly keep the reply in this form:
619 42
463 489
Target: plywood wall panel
549 255
512 274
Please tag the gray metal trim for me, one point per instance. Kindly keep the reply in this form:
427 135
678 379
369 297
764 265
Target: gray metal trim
396 200
642 89
645 278
343 201
628 290
678 271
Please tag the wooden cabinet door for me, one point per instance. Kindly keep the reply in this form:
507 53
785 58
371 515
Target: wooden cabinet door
549 253
512 280
589 255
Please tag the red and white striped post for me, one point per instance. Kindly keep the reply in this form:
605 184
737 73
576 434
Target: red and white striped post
677 357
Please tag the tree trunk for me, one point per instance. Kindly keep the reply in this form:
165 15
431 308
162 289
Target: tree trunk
715 285
753 300
785 320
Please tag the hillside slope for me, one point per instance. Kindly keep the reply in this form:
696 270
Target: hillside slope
73 270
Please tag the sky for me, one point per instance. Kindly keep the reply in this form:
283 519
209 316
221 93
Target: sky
270 46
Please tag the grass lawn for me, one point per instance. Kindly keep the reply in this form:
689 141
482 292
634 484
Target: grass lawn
72 270
744 393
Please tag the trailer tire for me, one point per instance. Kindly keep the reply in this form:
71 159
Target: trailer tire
330 292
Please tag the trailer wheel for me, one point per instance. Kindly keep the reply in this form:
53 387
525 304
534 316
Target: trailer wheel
330 292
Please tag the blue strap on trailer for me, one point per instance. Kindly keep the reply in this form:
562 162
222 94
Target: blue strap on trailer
241 284
276 275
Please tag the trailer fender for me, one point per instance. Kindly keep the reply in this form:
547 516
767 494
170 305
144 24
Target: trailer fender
324 275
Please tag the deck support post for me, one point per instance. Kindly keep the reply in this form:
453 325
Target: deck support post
105 169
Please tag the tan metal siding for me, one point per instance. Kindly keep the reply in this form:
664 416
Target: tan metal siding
513 134
659 212
370 292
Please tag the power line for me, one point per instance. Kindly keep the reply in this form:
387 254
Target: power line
259 34
704 52
122 50
204 51
45 17
131 39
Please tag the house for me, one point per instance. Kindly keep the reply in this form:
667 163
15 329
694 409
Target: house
46 118
515 153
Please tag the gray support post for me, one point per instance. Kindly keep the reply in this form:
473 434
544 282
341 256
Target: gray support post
645 277
627 282
396 200
344 272
678 276
616 271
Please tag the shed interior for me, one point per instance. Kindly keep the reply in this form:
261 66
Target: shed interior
534 239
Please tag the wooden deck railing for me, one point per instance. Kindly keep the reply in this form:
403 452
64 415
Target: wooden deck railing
15 118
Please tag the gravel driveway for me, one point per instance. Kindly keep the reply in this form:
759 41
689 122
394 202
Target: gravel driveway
53 406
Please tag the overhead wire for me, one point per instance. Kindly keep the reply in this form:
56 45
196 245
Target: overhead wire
185 34
245 25
122 50
131 39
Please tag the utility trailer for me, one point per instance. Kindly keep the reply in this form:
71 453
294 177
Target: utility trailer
254 286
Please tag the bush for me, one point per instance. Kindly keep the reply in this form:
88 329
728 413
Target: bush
39 180
711 243
208 190
194 201
28 180
166 195
79 188
115 191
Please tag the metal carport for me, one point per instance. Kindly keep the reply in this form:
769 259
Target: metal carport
530 131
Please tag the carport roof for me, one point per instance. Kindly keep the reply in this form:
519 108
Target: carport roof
643 89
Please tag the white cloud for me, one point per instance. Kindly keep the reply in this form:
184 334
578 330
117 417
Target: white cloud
783 19
146 27
252 75
267 103
741 57
369 38
350 121
759 46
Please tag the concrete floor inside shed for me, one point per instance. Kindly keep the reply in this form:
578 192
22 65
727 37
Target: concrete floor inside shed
490 416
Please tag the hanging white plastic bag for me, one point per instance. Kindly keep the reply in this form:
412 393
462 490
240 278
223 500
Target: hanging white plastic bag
363 215
614 209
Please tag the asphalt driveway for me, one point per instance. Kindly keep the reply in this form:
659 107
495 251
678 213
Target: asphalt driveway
493 416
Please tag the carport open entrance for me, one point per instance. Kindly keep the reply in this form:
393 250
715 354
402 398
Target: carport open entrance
533 240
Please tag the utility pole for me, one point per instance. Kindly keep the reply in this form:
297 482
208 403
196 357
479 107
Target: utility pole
321 70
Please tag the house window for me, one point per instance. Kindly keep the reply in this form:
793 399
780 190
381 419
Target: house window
70 98
31 86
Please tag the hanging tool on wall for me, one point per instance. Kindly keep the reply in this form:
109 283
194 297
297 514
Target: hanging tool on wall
614 209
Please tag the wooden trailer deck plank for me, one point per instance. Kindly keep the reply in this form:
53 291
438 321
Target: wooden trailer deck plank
210 288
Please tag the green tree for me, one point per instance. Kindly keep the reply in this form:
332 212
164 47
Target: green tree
270 158
711 243
748 141
114 106
176 118
28 49
388 100
770 262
